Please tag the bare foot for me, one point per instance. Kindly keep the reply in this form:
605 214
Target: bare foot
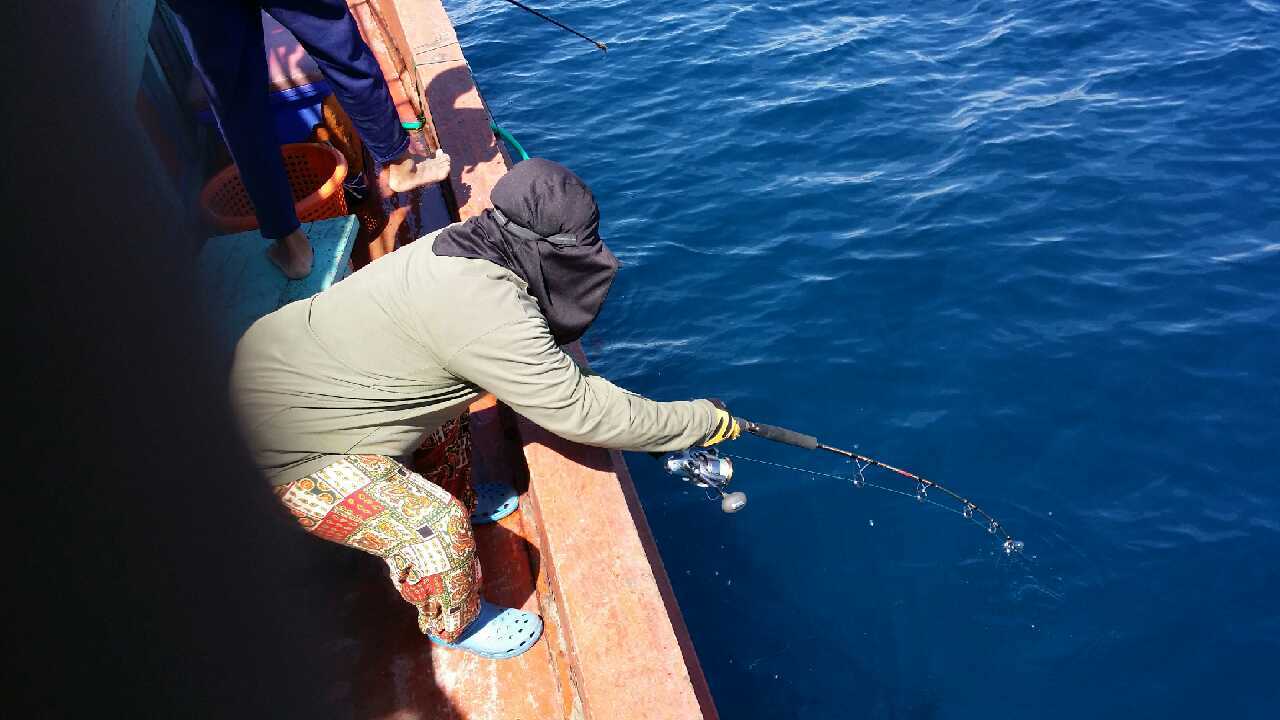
292 254
412 170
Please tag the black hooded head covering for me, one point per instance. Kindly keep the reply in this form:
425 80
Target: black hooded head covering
544 227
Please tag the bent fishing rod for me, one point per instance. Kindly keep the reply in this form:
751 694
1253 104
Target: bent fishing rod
706 468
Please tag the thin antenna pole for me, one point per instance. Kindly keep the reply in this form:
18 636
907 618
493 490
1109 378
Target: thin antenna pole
557 23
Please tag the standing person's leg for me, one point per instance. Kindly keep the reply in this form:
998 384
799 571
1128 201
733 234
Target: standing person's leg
230 58
330 36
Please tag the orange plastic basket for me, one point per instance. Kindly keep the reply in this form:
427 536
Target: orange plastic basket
315 171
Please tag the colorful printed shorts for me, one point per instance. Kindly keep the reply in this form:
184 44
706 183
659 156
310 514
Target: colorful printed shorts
375 504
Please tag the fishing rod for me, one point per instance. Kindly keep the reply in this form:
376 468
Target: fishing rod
706 468
557 23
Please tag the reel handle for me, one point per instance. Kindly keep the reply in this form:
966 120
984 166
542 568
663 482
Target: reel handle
780 434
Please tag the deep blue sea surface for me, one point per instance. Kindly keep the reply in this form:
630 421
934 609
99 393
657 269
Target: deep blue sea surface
1028 249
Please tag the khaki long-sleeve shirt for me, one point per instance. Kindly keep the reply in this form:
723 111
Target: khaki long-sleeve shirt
393 352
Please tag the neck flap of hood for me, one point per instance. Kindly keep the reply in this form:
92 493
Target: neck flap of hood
545 228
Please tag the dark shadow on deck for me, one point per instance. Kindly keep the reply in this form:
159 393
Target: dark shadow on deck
443 94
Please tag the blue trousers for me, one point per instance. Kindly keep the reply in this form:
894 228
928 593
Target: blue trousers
226 38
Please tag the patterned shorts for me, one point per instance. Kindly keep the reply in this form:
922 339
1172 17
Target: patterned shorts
377 505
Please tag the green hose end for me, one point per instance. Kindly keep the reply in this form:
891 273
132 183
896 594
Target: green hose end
509 139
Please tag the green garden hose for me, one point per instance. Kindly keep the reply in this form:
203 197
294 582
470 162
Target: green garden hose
509 139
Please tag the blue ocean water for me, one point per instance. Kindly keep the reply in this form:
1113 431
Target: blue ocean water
1030 250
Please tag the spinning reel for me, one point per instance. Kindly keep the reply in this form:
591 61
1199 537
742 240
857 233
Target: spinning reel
705 468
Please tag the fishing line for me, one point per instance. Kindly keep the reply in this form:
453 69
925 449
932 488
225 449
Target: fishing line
859 481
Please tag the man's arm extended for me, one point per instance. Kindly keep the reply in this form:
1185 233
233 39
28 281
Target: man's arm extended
521 365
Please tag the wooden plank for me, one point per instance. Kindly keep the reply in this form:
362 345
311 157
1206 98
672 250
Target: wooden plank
380 26
629 649
400 217
457 111
519 687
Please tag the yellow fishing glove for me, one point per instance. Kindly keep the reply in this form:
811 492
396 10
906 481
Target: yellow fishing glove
726 427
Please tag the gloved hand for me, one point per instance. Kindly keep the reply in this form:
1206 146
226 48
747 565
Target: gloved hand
726 427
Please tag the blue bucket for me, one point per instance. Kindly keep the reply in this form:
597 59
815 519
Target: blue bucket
295 111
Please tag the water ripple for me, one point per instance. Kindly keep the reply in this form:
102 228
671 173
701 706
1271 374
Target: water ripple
1027 248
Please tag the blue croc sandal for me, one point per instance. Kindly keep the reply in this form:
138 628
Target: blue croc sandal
498 633
494 501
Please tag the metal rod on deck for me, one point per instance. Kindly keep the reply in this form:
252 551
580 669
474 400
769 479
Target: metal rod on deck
557 23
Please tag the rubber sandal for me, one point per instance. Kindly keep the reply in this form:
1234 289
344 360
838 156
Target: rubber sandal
494 501
497 633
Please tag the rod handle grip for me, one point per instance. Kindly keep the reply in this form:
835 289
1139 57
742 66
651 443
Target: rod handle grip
780 434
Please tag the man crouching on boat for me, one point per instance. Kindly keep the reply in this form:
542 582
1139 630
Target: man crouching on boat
335 392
